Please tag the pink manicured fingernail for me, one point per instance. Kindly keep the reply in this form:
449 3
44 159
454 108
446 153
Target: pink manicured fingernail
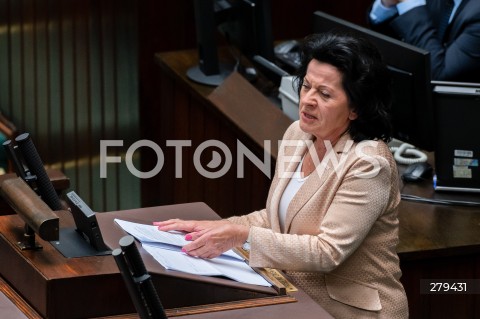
188 237
184 250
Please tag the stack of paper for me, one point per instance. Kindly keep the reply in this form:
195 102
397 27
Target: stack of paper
166 247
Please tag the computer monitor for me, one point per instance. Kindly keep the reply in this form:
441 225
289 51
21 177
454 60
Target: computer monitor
247 25
242 24
457 153
412 108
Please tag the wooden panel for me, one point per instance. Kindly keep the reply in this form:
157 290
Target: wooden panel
13 306
69 77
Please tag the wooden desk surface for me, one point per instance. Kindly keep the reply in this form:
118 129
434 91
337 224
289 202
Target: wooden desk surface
112 233
429 230
177 63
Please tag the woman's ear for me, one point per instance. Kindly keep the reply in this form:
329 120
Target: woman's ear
352 115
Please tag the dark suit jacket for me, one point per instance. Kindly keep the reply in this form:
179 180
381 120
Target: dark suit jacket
458 58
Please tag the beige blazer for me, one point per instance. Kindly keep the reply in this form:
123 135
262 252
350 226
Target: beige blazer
341 228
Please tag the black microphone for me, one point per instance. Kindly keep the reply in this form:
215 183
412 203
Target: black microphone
133 291
137 279
17 164
35 165
132 255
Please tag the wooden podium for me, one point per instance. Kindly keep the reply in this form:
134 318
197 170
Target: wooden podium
87 287
178 289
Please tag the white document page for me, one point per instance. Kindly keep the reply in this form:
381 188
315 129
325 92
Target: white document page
150 233
179 261
220 266
165 247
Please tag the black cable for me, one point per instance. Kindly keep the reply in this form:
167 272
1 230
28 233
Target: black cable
419 199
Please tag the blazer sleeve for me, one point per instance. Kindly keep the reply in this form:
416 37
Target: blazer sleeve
257 218
356 206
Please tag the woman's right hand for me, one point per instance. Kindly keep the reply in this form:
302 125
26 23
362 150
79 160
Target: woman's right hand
209 239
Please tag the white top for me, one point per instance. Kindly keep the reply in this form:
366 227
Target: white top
296 181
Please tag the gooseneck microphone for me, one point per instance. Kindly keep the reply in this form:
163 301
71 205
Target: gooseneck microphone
35 165
138 281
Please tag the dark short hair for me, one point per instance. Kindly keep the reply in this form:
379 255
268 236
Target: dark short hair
365 79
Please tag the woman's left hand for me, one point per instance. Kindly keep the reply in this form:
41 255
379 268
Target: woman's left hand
209 238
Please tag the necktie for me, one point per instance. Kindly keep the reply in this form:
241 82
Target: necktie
447 11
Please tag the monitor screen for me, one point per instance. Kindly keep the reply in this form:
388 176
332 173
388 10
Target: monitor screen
246 25
412 108
242 24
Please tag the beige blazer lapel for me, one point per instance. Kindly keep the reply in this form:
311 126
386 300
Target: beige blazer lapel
332 162
289 157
